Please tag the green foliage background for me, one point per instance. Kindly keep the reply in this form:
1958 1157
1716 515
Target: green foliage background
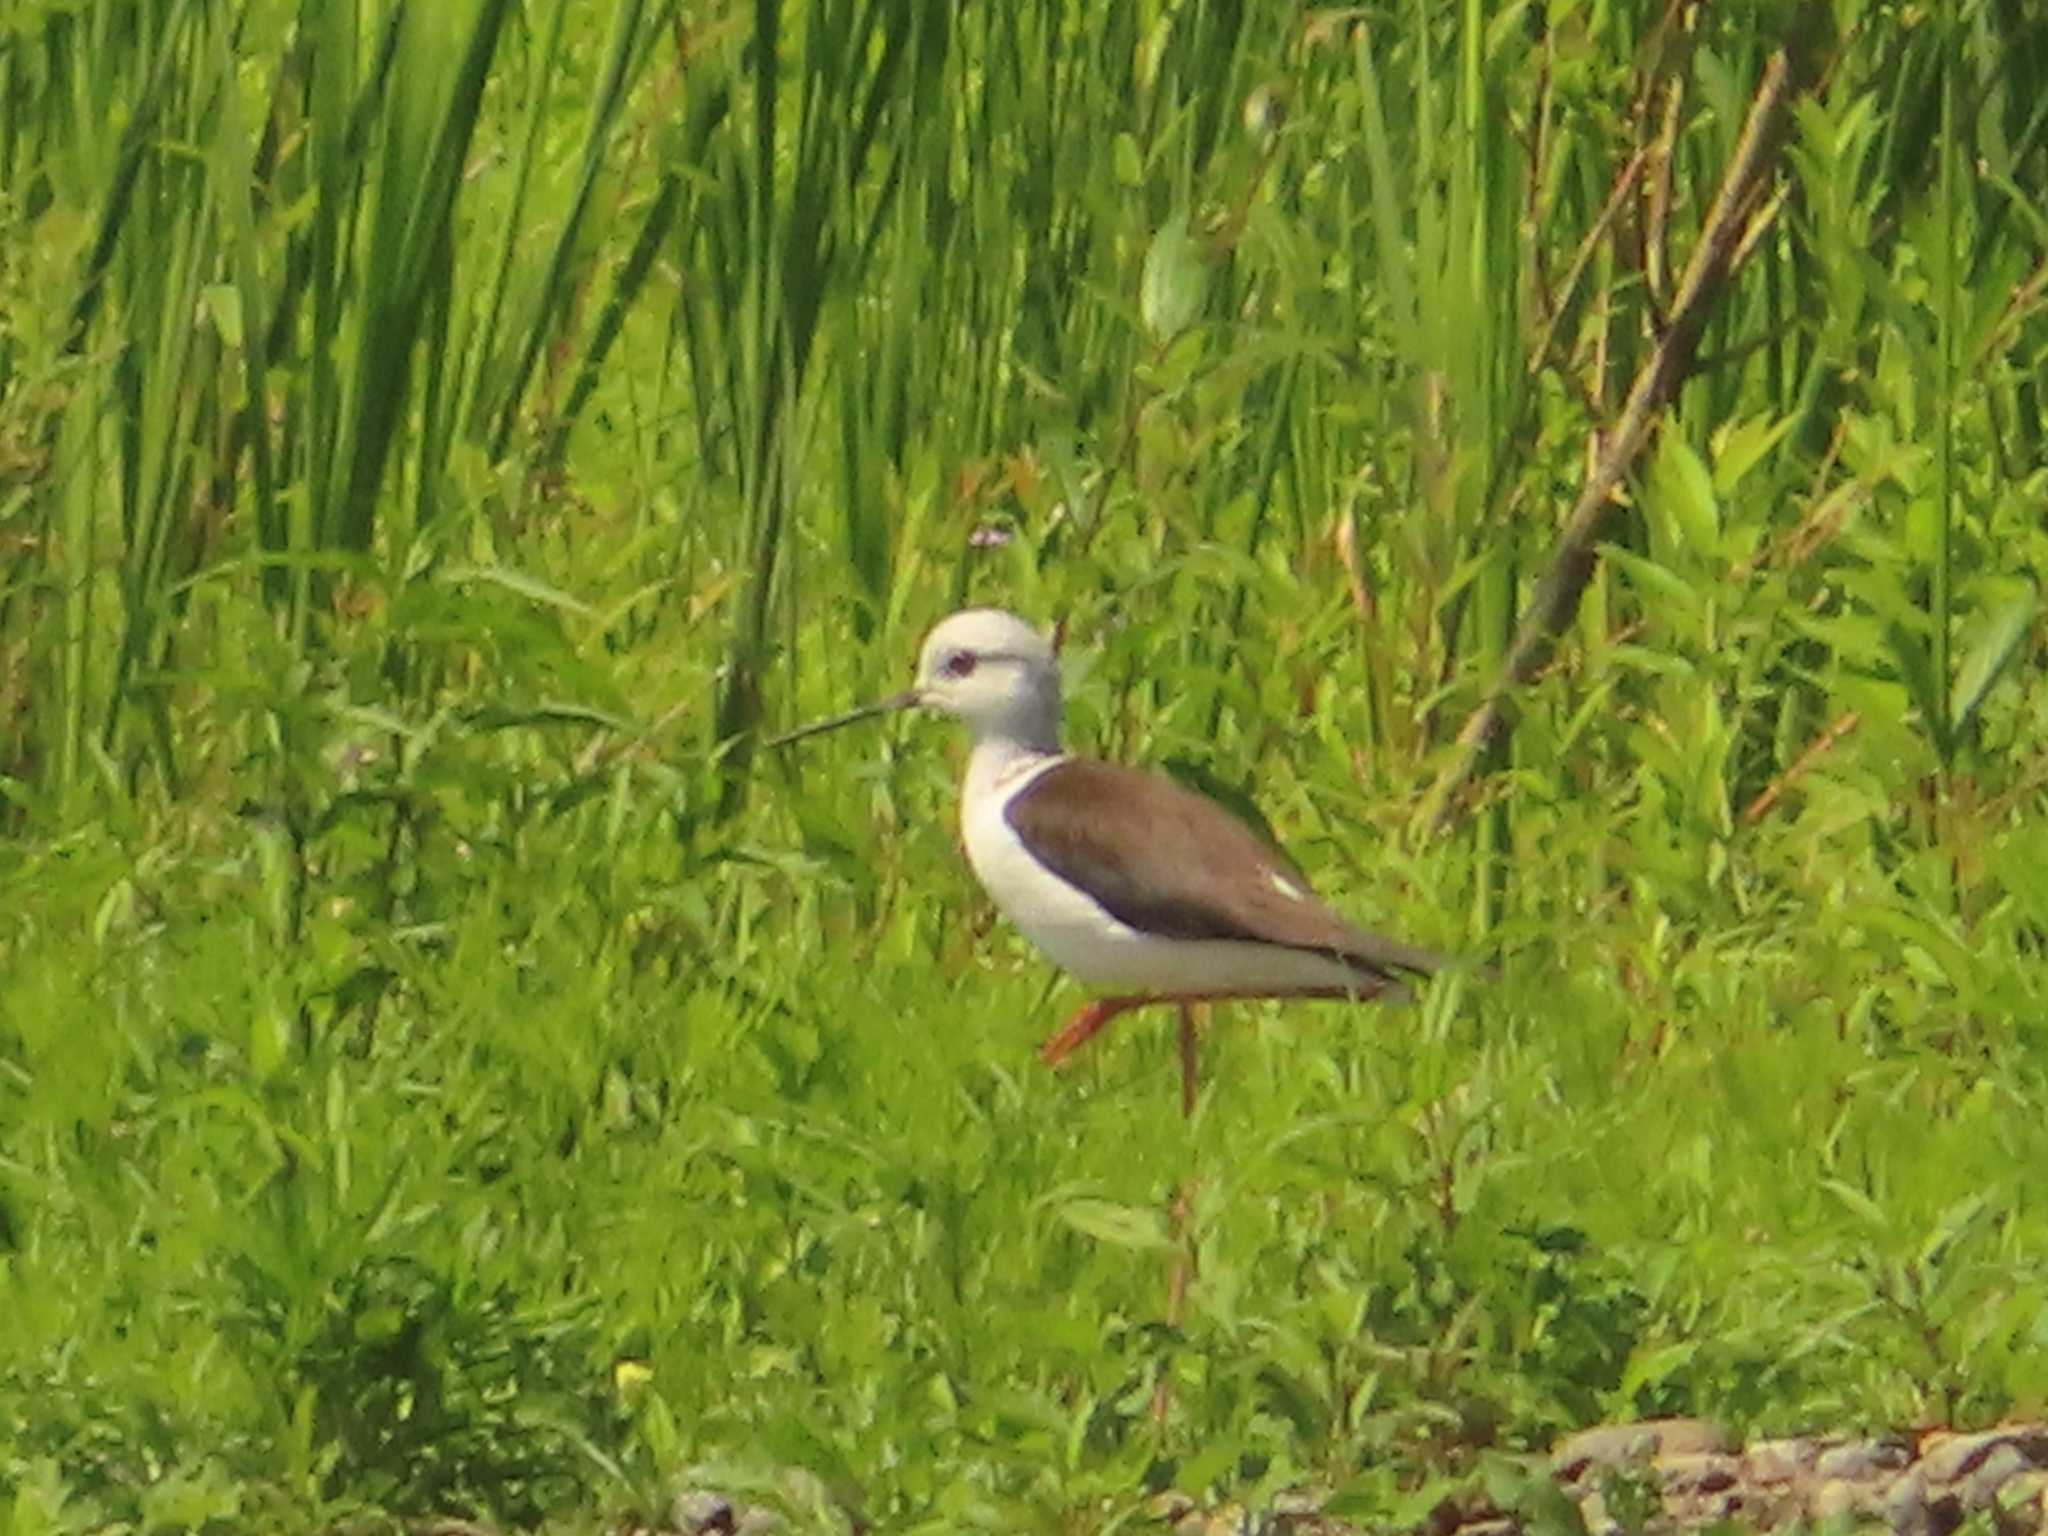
446 1069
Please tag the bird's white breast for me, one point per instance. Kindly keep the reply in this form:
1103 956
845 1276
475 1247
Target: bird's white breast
1074 932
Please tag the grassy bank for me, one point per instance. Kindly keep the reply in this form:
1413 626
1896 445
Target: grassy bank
444 1069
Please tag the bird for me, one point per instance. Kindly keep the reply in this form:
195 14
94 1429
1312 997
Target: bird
1143 891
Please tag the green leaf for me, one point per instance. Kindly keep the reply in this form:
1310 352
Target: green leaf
2003 630
1642 658
1856 1201
517 581
1920 935
2022 866
1130 165
1652 1367
223 302
1739 446
1126 1226
1916 667
1657 580
1681 487
1955 1224
1175 280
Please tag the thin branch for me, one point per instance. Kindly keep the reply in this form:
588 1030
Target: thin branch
1760 807
1556 597
1558 303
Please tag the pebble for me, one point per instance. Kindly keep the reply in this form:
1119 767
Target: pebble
1299 1506
1838 1499
1169 1507
1674 1476
1915 1508
1627 1445
1978 1487
1699 1472
1607 1445
1778 1461
704 1512
1690 1437
1860 1460
1948 1456
1690 1472
700 1512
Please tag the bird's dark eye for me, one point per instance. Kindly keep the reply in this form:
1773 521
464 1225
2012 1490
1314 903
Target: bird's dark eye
960 664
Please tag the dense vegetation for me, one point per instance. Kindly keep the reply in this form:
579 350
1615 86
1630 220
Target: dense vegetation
1577 467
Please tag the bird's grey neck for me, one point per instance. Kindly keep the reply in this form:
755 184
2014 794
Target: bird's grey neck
1028 722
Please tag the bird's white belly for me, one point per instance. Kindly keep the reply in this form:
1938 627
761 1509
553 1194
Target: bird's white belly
1095 948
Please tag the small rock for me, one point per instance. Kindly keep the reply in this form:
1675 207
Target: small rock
1689 1511
1625 1445
1779 1461
1862 1461
1698 1473
1768 1508
1690 1437
1911 1508
1840 1498
1605 1445
1948 1456
1978 1488
700 1512
1168 1507
1300 1510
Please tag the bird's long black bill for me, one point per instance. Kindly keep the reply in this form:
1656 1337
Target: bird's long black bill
888 706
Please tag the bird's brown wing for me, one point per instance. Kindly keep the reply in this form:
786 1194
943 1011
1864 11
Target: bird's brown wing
1167 861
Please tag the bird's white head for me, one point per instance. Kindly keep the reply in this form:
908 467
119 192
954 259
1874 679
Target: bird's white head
982 666
995 673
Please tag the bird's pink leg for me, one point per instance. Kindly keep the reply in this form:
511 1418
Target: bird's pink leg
1093 1019
1180 1218
1188 1040
1086 1025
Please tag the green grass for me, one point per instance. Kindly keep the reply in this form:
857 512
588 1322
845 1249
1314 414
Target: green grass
291 1213
444 1070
